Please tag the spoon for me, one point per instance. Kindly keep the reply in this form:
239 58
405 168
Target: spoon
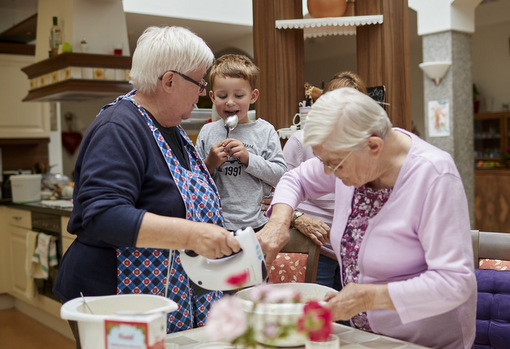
86 304
231 123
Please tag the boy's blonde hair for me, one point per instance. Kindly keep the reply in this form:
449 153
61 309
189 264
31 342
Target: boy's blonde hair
234 66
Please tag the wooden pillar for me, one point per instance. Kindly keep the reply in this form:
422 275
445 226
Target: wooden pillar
383 55
280 56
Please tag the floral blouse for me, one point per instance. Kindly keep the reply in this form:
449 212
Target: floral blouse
366 203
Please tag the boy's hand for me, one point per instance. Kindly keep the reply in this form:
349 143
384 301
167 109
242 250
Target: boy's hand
236 149
217 156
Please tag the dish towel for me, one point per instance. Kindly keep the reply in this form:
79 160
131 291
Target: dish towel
44 256
30 248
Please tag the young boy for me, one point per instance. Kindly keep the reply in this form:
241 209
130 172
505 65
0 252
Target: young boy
248 164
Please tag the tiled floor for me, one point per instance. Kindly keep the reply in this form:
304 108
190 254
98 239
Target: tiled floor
18 330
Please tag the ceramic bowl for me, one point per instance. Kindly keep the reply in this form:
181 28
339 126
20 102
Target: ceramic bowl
283 313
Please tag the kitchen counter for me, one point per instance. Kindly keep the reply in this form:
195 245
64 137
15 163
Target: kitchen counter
38 207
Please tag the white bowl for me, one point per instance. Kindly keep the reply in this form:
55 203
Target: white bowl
284 313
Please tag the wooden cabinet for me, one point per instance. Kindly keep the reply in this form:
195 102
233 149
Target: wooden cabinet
492 200
14 225
18 223
5 276
19 119
491 135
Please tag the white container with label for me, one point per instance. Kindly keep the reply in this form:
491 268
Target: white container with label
26 188
135 321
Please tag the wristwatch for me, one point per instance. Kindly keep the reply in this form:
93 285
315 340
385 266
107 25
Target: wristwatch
295 216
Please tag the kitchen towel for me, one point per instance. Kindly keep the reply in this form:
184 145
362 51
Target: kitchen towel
31 242
44 256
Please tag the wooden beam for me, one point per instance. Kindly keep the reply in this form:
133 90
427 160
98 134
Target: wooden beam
383 55
280 56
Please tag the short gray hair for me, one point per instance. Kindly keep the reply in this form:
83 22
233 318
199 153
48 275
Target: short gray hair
343 119
160 49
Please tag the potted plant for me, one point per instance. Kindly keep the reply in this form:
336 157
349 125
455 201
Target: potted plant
273 316
476 101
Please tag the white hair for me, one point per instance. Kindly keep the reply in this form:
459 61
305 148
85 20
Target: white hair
160 49
343 119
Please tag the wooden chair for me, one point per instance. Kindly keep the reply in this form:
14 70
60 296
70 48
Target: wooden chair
299 243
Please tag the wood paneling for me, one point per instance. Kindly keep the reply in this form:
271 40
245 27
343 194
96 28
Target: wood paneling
382 58
280 56
492 200
383 55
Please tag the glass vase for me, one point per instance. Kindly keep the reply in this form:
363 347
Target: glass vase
333 342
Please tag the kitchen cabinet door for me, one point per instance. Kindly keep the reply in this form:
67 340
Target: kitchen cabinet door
18 223
17 243
20 119
5 275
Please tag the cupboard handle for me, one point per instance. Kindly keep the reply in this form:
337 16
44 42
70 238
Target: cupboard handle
17 218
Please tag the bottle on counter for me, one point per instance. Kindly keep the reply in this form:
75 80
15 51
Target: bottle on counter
55 37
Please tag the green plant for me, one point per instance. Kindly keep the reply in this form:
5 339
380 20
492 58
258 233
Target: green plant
476 94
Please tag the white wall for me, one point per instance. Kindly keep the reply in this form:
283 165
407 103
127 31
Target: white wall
85 113
491 65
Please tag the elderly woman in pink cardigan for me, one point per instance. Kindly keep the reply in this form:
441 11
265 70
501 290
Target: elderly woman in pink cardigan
400 230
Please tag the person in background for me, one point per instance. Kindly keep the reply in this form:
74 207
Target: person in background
401 228
134 205
313 217
247 165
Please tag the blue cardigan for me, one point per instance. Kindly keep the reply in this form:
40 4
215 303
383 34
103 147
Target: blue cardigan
120 174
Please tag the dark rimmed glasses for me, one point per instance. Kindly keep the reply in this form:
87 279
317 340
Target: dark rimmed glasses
201 85
328 165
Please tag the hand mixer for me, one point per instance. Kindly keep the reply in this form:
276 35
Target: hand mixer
212 274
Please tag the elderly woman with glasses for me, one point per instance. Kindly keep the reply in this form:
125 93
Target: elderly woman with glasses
142 192
400 231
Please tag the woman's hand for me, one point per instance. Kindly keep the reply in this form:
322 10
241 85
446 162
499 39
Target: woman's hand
266 203
212 241
206 239
314 228
275 233
357 298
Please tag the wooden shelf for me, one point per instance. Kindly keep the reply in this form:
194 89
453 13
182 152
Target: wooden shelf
316 27
77 91
77 77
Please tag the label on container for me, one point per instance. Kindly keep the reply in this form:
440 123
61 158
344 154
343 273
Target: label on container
128 334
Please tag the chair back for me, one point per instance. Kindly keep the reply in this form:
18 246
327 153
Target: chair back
491 245
301 244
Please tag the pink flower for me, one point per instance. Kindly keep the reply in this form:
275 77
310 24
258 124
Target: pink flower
226 320
259 293
238 280
316 321
265 293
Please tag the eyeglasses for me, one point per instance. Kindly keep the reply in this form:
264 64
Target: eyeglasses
201 85
327 164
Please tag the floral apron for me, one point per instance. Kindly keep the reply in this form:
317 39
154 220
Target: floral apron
145 270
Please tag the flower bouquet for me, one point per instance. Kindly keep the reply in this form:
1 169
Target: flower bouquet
274 315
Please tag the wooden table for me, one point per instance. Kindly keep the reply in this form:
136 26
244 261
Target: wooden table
350 338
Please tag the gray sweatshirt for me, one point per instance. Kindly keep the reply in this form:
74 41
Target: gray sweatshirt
242 187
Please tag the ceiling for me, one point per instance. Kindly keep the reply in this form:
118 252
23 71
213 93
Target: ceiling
218 35
18 25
